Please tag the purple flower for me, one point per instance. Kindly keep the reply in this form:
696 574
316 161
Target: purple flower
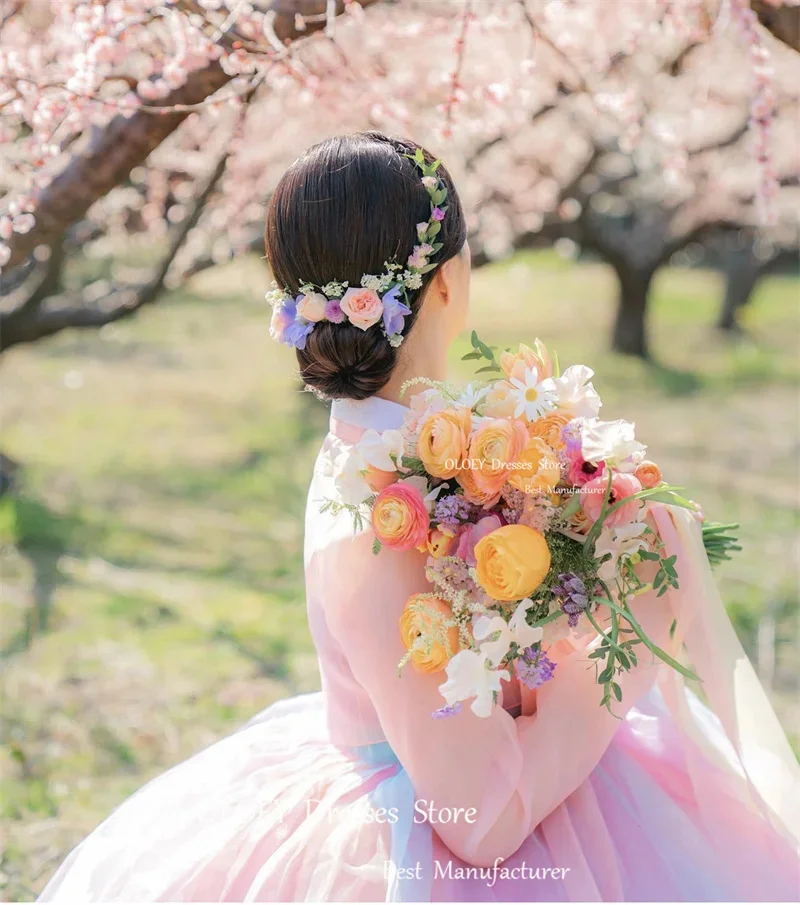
452 510
295 334
333 312
534 667
438 213
573 596
394 312
444 712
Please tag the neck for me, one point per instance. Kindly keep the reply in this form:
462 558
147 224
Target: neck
419 357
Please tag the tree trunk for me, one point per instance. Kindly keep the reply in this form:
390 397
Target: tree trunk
630 327
742 273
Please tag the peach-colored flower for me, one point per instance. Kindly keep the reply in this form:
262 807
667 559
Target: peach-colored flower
363 307
623 485
424 618
312 306
279 322
540 470
400 517
439 543
514 364
549 427
649 474
494 448
499 402
377 479
443 441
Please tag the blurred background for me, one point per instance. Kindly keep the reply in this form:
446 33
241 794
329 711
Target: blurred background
631 171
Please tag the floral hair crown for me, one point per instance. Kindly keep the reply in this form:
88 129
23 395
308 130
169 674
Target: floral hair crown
383 298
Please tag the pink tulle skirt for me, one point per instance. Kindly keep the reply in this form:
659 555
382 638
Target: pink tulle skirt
275 812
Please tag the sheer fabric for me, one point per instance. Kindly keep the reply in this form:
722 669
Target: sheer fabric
356 794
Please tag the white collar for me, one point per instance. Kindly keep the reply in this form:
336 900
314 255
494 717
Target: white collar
379 414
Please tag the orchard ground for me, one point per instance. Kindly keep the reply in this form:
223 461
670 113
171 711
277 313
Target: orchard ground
152 552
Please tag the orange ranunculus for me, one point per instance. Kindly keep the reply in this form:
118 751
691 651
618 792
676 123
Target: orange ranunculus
540 470
512 562
514 364
424 622
493 450
400 517
548 428
439 543
649 474
444 440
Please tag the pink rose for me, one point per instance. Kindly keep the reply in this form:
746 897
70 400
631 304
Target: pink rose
623 485
363 307
312 306
471 534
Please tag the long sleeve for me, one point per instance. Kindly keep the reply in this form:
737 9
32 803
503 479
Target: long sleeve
513 773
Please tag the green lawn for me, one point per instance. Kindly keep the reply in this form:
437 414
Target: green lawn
152 555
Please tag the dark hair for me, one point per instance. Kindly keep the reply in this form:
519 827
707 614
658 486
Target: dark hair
342 210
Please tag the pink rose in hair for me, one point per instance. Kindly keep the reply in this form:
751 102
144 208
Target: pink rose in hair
363 307
312 306
623 485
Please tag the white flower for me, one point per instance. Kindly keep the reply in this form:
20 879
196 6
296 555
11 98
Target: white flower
515 630
620 541
412 280
334 290
422 228
383 451
430 182
428 496
275 296
576 394
471 397
469 675
351 486
533 397
368 281
613 442
395 340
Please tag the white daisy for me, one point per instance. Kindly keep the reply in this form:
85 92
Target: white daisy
533 397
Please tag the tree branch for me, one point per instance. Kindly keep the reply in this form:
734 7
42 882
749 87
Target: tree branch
126 143
783 22
32 321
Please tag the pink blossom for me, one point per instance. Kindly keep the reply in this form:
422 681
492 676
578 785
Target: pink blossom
362 307
469 535
623 485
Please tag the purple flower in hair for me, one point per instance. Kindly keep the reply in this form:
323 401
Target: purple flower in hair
534 667
394 312
295 334
333 312
438 213
573 595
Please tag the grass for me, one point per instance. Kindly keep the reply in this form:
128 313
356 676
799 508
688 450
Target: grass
152 554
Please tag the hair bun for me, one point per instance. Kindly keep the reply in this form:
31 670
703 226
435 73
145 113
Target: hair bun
341 361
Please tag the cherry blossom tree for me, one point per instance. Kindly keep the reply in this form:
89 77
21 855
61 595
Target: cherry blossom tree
171 120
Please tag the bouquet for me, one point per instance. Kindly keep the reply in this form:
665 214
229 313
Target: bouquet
533 513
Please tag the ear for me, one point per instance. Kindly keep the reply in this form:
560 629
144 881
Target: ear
448 277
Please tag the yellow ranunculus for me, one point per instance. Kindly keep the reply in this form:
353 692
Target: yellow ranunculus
512 562
425 616
540 470
548 428
443 441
